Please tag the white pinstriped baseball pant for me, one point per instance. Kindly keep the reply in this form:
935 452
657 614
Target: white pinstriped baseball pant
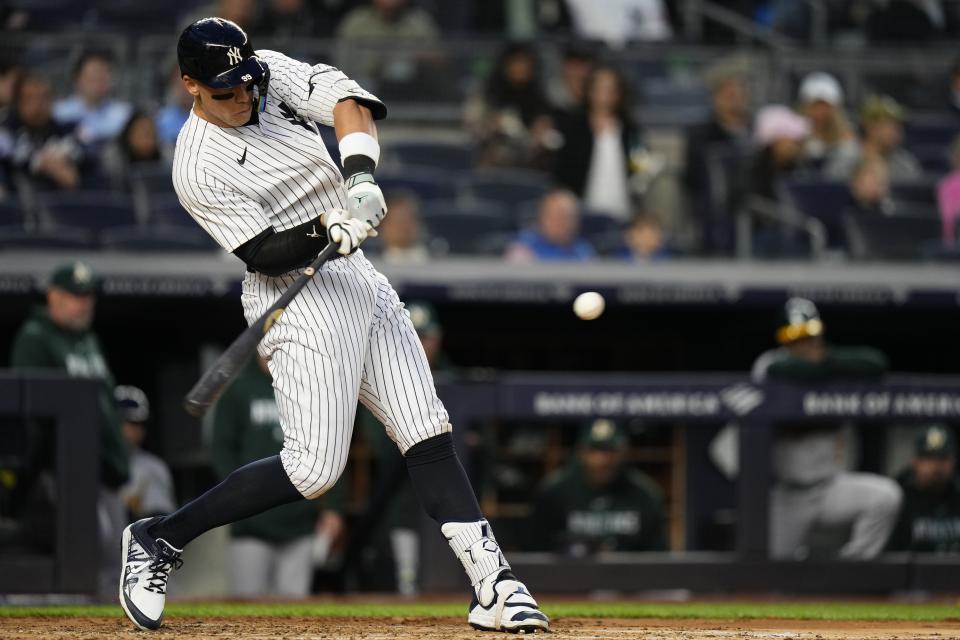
345 337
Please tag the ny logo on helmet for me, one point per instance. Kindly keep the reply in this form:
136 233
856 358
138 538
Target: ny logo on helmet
233 54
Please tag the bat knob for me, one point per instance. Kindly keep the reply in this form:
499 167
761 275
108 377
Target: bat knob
195 408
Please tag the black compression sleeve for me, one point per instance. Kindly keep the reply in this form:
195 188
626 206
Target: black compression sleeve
358 163
273 253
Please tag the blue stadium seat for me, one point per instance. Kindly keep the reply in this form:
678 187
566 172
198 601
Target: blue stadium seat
595 223
428 184
156 238
507 186
155 179
11 214
460 232
934 158
915 192
824 200
167 210
451 157
930 130
92 210
60 238
909 235
451 207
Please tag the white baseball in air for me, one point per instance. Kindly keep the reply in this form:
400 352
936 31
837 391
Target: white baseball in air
589 305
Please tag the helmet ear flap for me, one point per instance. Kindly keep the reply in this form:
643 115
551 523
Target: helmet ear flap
262 87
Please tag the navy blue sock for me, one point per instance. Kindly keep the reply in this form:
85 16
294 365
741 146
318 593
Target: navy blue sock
249 490
440 481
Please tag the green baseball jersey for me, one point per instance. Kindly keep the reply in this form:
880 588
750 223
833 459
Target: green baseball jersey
625 515
927 521
246 427
841 363
41 344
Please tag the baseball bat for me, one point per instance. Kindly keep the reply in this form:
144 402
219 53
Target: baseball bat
212 383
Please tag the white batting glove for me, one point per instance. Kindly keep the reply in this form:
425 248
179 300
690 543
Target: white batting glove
346 231
365 200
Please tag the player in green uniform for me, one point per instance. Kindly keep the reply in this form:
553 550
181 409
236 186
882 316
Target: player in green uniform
272 553
597 503
930 517
58 336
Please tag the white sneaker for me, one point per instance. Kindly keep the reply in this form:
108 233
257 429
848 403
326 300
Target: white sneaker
502 603
147 564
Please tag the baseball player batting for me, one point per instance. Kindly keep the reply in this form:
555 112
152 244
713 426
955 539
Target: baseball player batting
252 170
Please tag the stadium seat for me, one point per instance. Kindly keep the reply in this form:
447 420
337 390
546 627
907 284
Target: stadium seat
909 235
60 238
167 211
11 214
507 218
153 180
934 158
452 157
92 210
507 186
594 223
930 130
824 200
156 238
428 184
921 192
461 232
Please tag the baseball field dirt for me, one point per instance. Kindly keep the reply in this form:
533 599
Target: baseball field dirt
425 628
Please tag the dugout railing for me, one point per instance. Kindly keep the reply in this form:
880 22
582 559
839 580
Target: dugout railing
703 399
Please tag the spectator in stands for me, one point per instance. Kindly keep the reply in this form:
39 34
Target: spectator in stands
175 110
779 133
272 554
645 241
97 116
814 496
930 518
882 120
137 147
948 197
150 489
243 12
518 20
388 21
285 19
399 521
832 146
9 77
723 140
621 22
34 146
401 238
556 234
600 145
58 337
870 187
598 503
510 119
567 90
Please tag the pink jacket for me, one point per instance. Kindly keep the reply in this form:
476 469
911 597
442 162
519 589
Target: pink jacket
948 200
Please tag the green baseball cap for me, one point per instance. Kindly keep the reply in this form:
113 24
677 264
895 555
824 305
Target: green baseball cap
424 318
935 441
75 277
603 434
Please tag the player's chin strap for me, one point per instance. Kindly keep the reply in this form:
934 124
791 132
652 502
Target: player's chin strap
262 86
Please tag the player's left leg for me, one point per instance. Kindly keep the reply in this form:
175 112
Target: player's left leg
398 388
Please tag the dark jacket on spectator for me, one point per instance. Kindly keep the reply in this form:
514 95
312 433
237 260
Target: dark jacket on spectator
572 162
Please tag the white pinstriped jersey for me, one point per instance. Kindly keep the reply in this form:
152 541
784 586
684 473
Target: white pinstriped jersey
346 337
238 182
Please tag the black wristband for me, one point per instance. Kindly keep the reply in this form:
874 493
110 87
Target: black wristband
359 163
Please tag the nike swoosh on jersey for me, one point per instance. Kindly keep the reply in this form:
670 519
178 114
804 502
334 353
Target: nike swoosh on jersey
243 158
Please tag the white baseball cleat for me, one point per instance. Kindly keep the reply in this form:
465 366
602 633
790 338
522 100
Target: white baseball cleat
147 564
503 603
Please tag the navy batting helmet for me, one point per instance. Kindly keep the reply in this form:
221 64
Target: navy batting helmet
218 53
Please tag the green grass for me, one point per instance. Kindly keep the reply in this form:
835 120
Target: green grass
724 610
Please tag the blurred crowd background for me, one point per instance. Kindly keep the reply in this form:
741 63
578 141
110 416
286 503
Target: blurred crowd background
680 128
630 131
